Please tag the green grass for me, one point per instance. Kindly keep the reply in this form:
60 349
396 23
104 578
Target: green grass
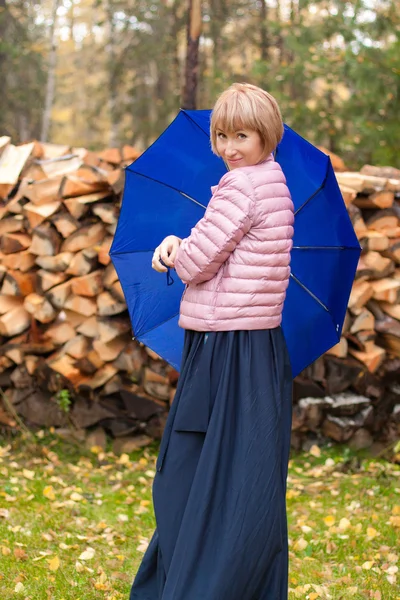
74 523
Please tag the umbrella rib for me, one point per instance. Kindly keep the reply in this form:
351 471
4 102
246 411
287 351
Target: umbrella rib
194 122
168 186
309 292
314 297
325 248
315 193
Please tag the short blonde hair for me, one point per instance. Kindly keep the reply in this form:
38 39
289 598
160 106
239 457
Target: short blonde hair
246 106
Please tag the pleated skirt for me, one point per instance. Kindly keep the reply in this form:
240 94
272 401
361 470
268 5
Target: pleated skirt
220 488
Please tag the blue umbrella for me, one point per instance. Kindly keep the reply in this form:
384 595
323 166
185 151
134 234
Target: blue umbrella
166 192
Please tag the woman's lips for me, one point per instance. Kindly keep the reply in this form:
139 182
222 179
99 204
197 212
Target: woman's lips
233 160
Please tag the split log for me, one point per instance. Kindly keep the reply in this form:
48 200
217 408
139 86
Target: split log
110 350
60 166
393 251
65 365
373 265
340 349
109 329
79 206
393 310
357 220
65 224
57 263
383 219
111 155
73 186
116 180
83 262
374 240
72 317
11 225
100 377
387 290
77 348
386 172
81 305
383 199
14 322
76 209
14 242
372 359
84 238
8 303
42 192
59 294
16 283
361 292
364 320
36 215
47 280
107 305
40 308
60 333
363 184
89 327
104 251
45 241
20 261
90 363
109 276
106 212
89 285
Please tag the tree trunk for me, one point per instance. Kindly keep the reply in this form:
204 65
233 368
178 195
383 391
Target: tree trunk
192 55
112 75
51 75
264 38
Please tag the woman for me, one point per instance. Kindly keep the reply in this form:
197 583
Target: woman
219 492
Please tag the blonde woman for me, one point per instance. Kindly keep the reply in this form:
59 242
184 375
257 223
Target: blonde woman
219 492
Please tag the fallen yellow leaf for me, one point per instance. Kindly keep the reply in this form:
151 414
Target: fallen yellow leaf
367 565
54 563
372 532
329 520
315 451
48 492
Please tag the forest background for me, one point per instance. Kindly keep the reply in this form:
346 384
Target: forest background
98 73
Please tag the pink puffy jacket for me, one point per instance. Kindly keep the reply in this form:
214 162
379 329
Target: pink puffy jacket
236 260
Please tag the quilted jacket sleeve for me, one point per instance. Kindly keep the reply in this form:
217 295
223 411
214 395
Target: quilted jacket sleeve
227 219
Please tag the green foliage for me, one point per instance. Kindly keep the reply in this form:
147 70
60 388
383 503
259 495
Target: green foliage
63 399
333 65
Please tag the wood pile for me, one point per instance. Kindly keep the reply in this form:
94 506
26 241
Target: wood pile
365 364
65 331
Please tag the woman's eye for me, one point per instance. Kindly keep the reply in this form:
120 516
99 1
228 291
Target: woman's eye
221 135
242 136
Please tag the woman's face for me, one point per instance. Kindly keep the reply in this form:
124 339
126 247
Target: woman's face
241 148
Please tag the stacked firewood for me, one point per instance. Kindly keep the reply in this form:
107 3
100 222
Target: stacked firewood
366 361
66 348
63 319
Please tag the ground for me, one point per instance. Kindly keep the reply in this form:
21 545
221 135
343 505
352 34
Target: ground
74 523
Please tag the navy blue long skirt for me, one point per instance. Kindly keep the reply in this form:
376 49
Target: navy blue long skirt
220 489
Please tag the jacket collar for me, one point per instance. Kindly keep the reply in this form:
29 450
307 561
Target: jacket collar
270 158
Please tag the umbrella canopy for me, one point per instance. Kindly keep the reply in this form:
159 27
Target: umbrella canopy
166 192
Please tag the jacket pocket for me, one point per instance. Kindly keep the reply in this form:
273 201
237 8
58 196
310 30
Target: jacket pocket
217 285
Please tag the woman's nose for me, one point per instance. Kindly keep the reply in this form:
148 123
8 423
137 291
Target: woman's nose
230 147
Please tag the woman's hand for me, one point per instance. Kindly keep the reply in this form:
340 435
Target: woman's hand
166 251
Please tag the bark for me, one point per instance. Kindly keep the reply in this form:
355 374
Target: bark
189 96
51 75
112 75
264 37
